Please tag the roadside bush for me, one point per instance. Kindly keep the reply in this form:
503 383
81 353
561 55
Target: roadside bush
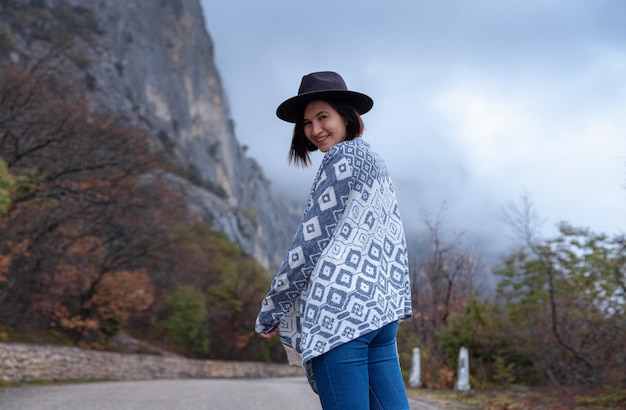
185 320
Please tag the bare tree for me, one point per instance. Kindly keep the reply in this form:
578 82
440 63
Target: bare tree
83 209
443 277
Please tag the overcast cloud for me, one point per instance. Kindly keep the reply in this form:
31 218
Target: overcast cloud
475 102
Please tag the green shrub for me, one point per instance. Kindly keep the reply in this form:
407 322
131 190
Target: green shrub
503 372
7 183
185 319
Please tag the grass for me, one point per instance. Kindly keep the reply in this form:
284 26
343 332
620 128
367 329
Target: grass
524 399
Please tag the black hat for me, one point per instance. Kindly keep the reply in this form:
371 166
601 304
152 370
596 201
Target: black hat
323 85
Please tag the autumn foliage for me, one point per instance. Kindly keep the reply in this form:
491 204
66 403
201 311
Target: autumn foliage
94 237
79 217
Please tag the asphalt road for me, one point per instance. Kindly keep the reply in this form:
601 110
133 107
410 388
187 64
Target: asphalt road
190 394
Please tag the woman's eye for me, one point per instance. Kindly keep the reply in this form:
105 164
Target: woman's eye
305 123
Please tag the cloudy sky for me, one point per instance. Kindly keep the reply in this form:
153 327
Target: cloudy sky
475 102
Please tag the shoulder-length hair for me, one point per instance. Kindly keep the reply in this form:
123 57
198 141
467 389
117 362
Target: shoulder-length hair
301 146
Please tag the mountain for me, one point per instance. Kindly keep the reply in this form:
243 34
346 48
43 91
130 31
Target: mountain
151 64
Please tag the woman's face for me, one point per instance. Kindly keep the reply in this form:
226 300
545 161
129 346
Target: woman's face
323 126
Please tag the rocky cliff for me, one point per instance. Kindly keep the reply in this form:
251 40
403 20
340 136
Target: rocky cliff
151 63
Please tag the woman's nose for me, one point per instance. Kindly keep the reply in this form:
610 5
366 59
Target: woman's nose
316 128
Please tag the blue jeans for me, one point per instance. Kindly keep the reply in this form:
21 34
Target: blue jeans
362 374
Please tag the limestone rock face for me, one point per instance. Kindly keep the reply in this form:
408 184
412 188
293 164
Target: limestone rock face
151 63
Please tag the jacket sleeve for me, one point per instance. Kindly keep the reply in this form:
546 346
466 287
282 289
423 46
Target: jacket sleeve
324 207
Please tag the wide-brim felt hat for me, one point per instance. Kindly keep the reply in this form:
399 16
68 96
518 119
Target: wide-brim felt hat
322 85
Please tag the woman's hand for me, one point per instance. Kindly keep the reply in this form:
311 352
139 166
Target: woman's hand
270 334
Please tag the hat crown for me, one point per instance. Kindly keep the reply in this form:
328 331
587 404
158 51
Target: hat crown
322 81
323 85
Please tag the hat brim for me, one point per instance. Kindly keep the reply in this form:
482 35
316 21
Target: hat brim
291 109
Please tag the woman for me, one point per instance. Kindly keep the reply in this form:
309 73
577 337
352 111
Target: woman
344 284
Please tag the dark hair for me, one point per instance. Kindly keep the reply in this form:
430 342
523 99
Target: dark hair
301 146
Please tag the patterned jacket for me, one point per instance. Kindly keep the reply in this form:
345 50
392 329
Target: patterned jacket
346 271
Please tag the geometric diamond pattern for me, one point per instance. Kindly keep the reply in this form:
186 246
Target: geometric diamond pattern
346 271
